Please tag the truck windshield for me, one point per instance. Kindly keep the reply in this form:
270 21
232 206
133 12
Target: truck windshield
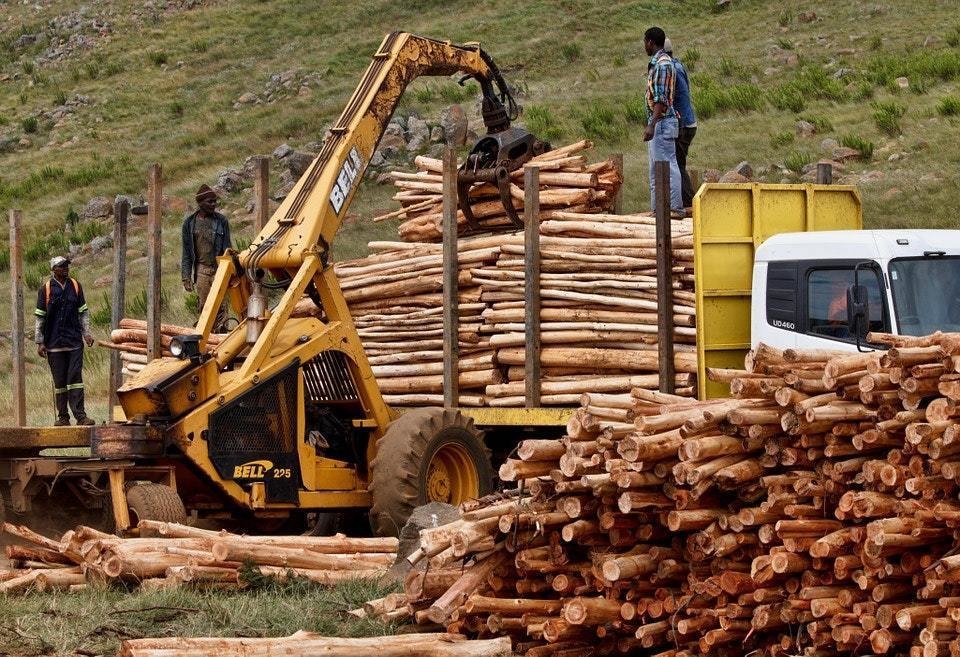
926 294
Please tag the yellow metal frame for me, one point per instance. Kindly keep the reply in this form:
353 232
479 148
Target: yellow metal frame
729 222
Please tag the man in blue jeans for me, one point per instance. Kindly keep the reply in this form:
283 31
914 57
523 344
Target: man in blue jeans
663 125
688 123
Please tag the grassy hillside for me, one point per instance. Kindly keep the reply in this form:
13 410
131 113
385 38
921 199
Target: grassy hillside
92 93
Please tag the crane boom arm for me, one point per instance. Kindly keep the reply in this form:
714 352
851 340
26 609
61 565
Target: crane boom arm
312 212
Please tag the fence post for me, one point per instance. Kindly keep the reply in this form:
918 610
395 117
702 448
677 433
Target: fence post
121 210
154 281
661 173
16 321
531 287
451 291
261 193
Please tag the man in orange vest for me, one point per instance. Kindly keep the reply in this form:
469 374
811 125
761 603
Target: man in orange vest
62 326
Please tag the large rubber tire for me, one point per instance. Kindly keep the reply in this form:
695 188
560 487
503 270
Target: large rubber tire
150 501
426 455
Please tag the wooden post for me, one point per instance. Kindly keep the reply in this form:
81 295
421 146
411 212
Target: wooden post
451 292
617 159
531 287
121 209
824 173
664 277
154 281
261 193
16 322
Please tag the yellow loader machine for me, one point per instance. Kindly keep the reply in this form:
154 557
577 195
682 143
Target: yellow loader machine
285 418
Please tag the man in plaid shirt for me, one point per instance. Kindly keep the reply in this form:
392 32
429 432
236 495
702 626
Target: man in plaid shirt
663 124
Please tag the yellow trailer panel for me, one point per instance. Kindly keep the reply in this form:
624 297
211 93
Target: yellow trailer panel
729 222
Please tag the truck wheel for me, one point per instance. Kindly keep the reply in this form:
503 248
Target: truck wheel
426 455
150 501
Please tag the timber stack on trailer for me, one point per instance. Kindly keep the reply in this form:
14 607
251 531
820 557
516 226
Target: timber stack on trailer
598 291
815 513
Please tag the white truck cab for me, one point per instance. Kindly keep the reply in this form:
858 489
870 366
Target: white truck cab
801 282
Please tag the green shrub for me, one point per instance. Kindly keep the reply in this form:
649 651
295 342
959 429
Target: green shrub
241 243
876 43
953 37
61 97
34 277
424 94
541 122
862 90
192 303
786 98
796 160
157 57
784 44
887 115
72 218
4 120
92 70
690 58
28 66
4 259
200 46
570 51
785 18
599 121
103 314
929 65
453 93
36 252
949 106
137 306
711 98
619 61
220 126
820 123
636 109
30 124
859 144
176 109
84 233
781 138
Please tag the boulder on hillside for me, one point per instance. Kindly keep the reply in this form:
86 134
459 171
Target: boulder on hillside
298 162
844 154
733 177
712 175
744 169
282 151
230 180
806 129
97 208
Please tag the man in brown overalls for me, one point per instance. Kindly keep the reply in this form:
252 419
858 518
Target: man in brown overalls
206 235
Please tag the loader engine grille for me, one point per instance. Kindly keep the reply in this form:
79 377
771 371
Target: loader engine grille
327 378
263 419
254 437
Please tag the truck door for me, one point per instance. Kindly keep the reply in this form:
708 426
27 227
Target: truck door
806 303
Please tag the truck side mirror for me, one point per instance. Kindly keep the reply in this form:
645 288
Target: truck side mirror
858 311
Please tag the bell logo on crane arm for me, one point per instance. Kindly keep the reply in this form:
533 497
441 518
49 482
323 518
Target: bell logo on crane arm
346 179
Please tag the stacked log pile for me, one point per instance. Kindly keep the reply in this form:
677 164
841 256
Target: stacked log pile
130 339
567 181
815 513
598 315
180 555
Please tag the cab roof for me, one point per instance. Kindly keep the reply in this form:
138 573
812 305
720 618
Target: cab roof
852 244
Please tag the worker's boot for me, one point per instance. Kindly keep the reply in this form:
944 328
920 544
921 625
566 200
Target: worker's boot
76 405
63 415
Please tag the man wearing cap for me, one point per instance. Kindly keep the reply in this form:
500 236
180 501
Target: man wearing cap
206 235
662 122
62 326
688 123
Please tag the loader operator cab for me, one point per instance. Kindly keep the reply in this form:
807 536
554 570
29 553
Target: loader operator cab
820 289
